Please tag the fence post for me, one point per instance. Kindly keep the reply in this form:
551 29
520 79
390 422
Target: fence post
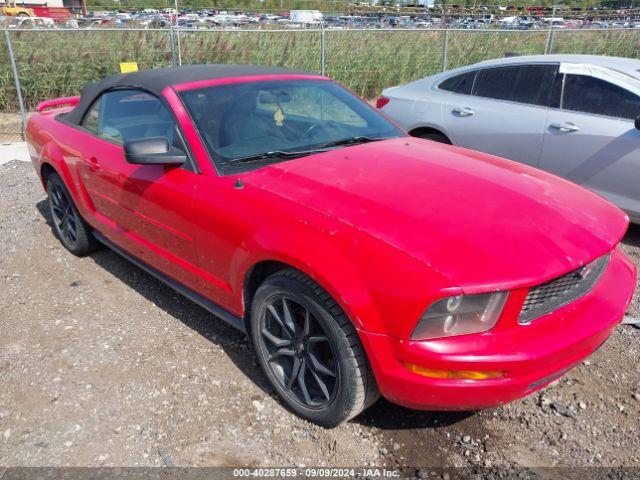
549 47
322 49
16 80
445 52
178 33
172 39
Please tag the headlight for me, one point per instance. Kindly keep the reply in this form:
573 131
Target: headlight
460 315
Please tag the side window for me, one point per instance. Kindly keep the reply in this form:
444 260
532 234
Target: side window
495 83
556 91
92 117
530 84
122 115
593 95
459 84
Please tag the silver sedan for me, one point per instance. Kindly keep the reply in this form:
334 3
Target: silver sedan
577 116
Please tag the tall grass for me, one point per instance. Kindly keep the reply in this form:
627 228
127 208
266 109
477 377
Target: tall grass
618 43
295 49
58 63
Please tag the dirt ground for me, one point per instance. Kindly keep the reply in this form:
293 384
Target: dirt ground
100 364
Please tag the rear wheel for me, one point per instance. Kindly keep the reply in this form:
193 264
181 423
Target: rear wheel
435 137
310 351
70 228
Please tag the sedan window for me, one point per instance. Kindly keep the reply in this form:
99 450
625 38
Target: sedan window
459 84
530 84
593 95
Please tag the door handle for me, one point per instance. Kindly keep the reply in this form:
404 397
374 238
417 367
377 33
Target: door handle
92 163
565 127
463 111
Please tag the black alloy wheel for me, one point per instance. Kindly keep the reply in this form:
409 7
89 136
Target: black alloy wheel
65 218
300 355
74 233
309 350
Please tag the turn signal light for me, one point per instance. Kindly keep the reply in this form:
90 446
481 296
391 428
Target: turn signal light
382 101
454 374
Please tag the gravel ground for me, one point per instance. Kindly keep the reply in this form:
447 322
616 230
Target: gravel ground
100 364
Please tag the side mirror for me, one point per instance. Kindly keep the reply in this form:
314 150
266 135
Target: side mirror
637 122
153 151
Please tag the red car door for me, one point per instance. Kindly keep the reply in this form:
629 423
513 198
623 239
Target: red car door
145 209
96 156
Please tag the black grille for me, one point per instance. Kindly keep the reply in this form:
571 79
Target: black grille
551 295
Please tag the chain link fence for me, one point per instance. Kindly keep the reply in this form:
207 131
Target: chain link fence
10 118
56 63
299 49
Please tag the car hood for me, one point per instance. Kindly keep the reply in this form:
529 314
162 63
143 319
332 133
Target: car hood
484 222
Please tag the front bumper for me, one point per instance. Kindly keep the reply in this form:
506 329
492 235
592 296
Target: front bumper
531 355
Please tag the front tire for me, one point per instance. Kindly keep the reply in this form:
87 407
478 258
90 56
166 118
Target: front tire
70 228
310 351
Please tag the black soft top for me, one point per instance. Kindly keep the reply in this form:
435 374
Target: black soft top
156 80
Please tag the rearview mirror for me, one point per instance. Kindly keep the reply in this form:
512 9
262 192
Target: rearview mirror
637 122
153 151
274 97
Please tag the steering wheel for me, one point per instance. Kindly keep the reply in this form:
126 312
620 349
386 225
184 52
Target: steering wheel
312 130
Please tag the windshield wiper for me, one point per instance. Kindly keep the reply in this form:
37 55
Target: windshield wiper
274 154
283 154
351 141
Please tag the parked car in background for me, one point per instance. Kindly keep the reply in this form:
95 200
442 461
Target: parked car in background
309 17
359 260
234 19
31 22
573 115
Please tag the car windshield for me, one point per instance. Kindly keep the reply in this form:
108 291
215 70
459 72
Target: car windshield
247 125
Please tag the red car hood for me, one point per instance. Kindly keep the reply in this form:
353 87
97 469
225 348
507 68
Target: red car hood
483 221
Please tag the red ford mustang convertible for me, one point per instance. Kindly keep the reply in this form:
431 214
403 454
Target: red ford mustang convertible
359 260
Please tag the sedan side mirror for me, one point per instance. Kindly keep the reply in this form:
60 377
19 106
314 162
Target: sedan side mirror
153 151
637 122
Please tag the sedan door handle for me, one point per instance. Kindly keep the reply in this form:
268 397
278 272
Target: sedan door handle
565 127
463 111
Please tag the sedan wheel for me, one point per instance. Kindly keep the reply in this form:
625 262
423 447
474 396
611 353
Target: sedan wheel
309 350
